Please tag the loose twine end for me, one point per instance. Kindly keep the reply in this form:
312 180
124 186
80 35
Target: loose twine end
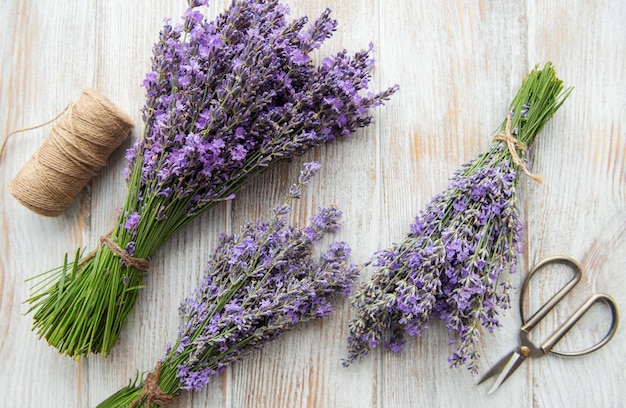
151 391
10 134
514 145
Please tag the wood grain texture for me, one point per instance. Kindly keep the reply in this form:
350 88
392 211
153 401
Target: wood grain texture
458 64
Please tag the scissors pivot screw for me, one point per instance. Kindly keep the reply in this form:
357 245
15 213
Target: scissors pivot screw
524 351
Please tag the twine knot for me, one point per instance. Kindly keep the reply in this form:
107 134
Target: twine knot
513 144
105 240
151 391
137 263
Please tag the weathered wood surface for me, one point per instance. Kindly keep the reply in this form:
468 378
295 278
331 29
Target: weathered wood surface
458 64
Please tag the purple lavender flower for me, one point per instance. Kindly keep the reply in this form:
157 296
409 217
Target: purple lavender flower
260 282
225 100
310 170
306 174
327 219
455 260
132 220
265 290
246 84
130 248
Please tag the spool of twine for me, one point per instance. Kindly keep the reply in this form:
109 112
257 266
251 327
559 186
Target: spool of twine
72 154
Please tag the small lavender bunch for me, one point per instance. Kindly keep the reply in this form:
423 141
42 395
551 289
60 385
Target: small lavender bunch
453 262
226 100
260 283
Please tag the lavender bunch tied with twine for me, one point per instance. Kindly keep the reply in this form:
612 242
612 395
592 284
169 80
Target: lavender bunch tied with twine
453 264
225 101
260 283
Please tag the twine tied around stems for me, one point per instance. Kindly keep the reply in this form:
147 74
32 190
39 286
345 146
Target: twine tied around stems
72 154
513 145
151 391
137 263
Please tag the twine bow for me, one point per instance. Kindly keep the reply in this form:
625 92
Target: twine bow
514 145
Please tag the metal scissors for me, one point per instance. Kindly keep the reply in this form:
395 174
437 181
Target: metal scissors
507 365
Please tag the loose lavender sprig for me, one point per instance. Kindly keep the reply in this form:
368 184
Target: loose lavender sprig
453 263
226 100
260 283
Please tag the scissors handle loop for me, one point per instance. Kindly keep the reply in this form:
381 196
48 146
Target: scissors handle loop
565 327
531 322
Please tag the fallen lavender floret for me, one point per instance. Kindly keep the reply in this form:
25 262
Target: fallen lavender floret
454 261
225 101
260 283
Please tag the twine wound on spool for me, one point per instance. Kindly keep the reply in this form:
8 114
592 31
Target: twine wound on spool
513 145
75 150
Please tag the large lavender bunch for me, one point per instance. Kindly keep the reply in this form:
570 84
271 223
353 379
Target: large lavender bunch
226 100
453 263
260 283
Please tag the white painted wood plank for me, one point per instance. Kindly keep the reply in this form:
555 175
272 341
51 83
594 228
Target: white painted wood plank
42 70
458 64
580 210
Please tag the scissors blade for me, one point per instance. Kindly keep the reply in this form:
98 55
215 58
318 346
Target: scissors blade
497 368
514 361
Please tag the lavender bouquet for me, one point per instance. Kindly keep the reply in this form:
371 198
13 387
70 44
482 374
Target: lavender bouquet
453 263
260 283
226 100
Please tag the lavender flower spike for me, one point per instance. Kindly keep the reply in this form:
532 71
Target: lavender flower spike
454 261
225 100
260 283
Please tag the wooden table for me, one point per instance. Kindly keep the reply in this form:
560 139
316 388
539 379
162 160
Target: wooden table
458 64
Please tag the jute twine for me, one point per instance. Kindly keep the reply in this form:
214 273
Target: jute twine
514 145
151 391
105 240
72 154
